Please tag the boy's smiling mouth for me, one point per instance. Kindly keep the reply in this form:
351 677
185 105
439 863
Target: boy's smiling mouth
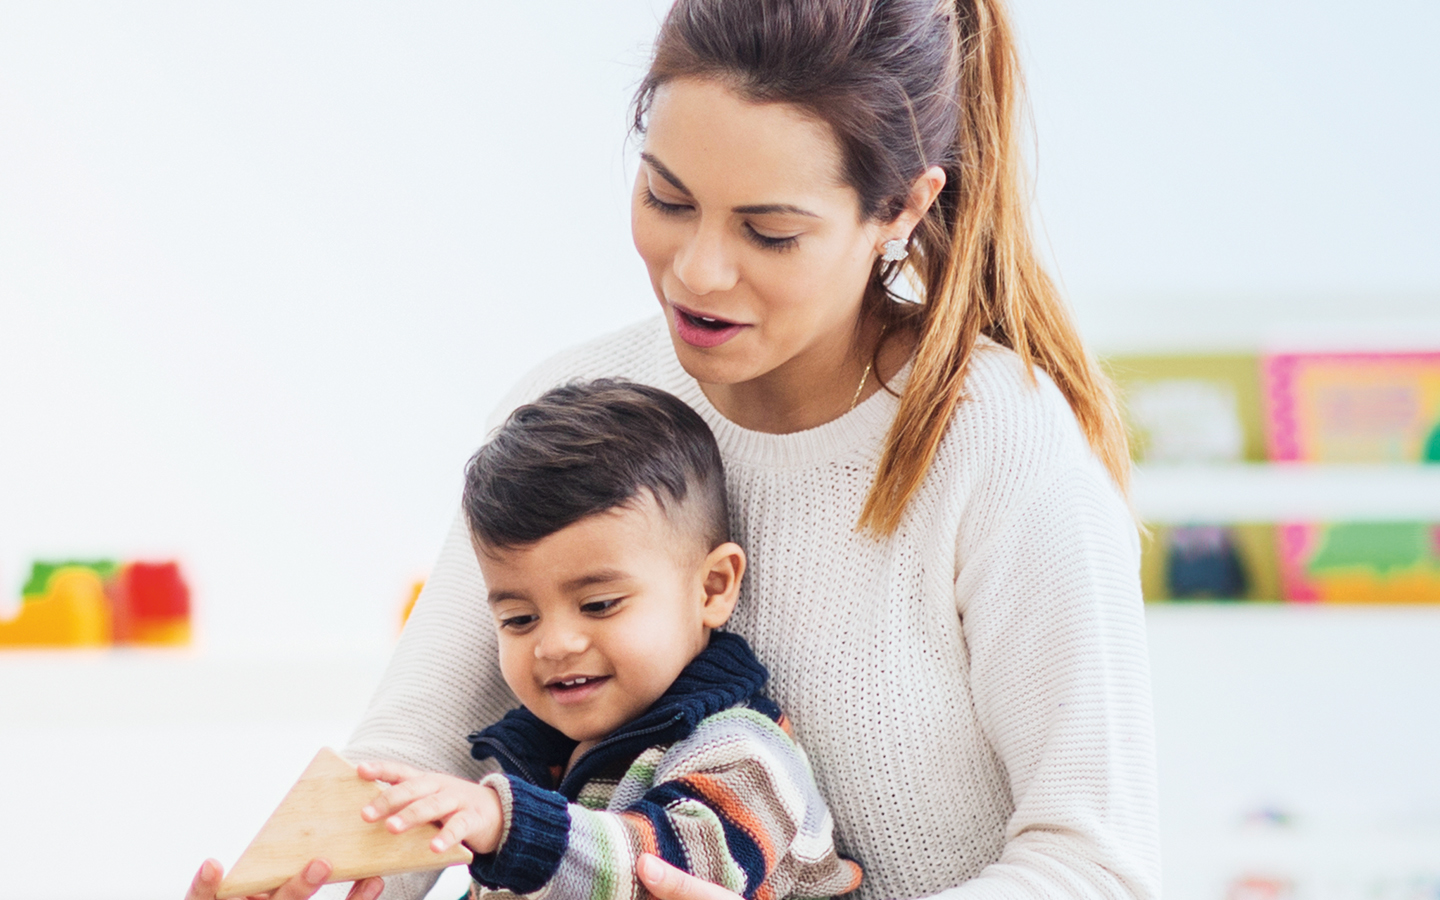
575 688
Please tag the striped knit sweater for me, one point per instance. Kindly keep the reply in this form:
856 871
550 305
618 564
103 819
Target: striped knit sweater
709 779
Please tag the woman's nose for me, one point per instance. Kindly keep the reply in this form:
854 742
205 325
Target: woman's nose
559 641
703 262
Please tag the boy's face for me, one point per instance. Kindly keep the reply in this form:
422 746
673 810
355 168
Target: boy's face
598 619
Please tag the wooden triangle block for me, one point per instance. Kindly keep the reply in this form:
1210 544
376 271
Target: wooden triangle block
320 817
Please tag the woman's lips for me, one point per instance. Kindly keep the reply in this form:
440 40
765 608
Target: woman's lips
703 331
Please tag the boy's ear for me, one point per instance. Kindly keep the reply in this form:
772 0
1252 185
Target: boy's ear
720 575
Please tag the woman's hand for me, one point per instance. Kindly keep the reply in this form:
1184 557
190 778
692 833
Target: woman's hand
669 883
469 812
301 887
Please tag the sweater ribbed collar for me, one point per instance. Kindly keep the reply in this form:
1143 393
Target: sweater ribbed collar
724 674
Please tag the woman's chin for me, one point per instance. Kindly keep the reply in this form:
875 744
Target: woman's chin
713 365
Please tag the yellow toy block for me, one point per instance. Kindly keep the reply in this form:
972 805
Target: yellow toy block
73 612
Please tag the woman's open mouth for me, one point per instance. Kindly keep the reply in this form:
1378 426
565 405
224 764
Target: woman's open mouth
699 330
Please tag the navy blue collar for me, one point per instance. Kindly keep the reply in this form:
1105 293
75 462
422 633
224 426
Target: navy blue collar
725 674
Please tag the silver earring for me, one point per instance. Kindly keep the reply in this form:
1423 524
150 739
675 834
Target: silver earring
895 250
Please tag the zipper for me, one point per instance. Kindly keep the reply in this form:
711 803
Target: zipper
501 750
615 738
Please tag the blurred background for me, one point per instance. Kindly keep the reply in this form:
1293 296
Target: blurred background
265 269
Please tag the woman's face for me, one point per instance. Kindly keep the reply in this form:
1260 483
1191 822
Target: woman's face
754 245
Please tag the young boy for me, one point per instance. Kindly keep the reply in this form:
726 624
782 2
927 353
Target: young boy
599 520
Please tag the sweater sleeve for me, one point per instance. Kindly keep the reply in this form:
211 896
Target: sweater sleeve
1051 612
734 803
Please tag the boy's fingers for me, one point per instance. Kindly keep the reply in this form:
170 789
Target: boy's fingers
455 830
395 798
386 770
430 808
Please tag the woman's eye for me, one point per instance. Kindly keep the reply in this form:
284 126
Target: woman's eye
517 623
771 243
599 607
654 202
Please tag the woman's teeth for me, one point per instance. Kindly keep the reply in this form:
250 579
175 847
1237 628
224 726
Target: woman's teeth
707 322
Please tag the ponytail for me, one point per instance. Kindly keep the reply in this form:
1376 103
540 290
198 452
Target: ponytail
906 85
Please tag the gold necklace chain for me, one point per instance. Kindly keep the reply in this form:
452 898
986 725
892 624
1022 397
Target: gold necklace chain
861 386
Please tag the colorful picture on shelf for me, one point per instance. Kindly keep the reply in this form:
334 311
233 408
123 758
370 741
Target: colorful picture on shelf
1356 408
1210 562
1195 408
1353 407
99 603
1360 562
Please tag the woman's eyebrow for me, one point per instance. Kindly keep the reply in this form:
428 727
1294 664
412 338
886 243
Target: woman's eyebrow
761 209
665 173
754 209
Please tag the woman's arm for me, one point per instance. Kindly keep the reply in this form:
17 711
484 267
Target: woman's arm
1053 620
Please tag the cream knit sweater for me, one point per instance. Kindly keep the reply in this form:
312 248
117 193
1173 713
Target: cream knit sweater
973 691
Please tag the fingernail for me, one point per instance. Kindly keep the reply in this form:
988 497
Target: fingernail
207 870
648 869
437 845
368 812
373 890
316 872
395 823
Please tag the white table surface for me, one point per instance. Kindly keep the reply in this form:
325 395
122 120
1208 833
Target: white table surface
117 762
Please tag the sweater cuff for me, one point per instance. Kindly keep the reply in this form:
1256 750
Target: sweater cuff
534 834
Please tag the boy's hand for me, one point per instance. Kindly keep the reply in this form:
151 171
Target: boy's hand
469 812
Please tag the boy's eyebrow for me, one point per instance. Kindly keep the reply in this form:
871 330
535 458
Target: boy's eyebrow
599 576
498 596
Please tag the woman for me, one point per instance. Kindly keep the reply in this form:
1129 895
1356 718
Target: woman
944 572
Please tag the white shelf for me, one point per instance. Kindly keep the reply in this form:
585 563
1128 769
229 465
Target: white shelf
1280 492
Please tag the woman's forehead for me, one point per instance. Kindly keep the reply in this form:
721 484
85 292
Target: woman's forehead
730 151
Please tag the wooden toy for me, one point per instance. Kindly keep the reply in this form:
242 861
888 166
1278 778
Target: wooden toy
320 817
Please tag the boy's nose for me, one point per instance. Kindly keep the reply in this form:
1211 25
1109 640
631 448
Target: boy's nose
558 643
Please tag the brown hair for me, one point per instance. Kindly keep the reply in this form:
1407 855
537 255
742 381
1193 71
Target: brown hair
591 446
905 85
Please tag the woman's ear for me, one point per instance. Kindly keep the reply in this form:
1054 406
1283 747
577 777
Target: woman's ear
922 194
720 575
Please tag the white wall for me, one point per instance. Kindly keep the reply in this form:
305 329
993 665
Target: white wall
264 268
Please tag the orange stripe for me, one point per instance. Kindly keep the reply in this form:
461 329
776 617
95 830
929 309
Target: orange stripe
785 725
643 831
718 794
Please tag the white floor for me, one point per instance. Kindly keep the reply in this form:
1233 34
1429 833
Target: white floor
1297 746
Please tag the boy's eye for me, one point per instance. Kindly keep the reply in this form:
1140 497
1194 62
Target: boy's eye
599 607
518 622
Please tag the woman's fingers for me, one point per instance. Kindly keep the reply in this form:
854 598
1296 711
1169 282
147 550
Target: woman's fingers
304 885
206 881
669 883
366 889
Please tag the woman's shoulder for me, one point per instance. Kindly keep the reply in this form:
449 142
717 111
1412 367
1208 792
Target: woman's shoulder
1013 433
638 352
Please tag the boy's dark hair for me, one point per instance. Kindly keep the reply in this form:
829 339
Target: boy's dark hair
588 447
